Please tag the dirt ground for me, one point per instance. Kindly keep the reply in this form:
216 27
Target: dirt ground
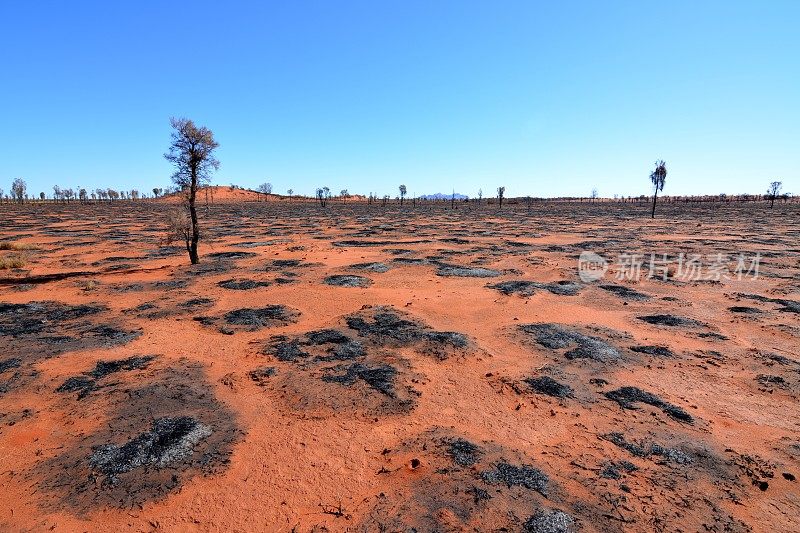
368 368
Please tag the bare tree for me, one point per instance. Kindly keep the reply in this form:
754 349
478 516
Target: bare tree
594 194
773 191
82 195
402 193
501 191
192 154
18 188
658 177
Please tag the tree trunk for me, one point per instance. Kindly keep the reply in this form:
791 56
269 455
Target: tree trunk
653 212
193 257
772 201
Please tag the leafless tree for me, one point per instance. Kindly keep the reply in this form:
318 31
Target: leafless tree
18 188
501 191
192 153
658 177
403 191
594 194
773 191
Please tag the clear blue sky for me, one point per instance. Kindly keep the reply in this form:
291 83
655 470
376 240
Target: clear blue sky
546 98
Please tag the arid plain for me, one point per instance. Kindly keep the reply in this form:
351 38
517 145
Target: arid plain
415 368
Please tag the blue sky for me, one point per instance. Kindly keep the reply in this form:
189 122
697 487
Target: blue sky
546 98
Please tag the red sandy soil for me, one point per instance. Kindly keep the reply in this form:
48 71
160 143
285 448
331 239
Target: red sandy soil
223 194
291 451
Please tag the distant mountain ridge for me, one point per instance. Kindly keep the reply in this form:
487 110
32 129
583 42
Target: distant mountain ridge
442 196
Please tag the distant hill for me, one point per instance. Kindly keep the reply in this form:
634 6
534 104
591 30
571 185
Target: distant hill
442 196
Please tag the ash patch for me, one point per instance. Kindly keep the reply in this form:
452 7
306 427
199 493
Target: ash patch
347 280
556 337
242 284
550 521
529 288
156 434
549 387
524 475
448 270
379 268
627 397
170 440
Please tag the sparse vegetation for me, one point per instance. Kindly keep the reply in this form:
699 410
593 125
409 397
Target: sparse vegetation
403 191
501 191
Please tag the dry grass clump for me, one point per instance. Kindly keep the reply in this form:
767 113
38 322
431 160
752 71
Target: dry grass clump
16 246
11 262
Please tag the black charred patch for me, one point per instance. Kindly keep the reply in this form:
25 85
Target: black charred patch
378 377
256 318
549 387
448 270
745 310
8 364
32 318
626 293
242 284
529 288
347 280
627 397
88 382
660 351
262 375
556 336
646 449
232 255
385 326
463 452
669 320
379 268
155 435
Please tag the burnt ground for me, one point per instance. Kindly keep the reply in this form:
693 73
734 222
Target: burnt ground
361 368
